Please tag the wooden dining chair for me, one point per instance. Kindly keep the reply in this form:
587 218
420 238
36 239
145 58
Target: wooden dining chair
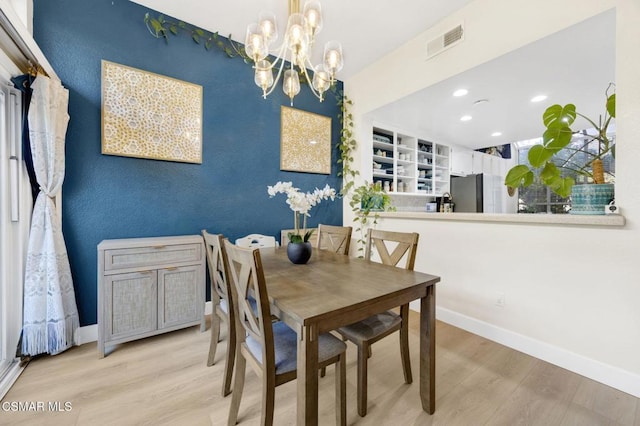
391 248
271 347
334 238
222 307
257 240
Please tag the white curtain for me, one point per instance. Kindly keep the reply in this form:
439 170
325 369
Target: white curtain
50 313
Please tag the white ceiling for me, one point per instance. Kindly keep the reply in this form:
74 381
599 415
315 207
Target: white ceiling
574 65
367 29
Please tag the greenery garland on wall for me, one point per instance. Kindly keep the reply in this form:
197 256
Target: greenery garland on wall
160 28
362 195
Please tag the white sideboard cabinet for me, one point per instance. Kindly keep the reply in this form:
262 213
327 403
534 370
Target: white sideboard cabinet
148 286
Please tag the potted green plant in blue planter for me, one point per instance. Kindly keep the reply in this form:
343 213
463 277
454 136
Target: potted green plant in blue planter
547 162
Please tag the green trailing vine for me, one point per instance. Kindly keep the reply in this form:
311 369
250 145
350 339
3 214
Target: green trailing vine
368 199
161 27
346 145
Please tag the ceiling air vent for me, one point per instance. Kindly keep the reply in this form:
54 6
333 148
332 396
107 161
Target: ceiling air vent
445 41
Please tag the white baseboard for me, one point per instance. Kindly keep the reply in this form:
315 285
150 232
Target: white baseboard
86 334
10 378
615 377
611 376
89 333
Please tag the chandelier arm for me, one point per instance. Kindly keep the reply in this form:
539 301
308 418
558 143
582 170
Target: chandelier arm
281 52
310 82
279 57
277 79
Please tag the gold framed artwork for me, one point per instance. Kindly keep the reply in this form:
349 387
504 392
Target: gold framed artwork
305 141
147 115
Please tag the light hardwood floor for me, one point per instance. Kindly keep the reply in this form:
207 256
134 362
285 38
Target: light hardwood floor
164 380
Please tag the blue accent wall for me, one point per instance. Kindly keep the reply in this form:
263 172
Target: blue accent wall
106 197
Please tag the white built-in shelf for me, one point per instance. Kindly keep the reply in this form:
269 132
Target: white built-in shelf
407 155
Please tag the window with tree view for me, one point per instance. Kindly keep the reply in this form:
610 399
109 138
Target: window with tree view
539 198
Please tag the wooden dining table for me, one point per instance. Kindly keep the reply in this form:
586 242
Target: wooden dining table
332 291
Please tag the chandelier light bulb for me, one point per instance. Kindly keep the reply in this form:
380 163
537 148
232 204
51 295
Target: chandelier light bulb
333 60
268 26
291 84
264 76
321 80
313 14
297 36
255 44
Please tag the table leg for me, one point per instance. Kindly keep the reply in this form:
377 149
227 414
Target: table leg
307 377
428 350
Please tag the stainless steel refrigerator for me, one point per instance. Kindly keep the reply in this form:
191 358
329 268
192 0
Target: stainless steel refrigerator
467 193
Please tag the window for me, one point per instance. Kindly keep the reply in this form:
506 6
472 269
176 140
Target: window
538 198
15 212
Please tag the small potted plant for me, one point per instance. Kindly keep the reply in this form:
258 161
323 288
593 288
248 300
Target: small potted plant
550 159
368 199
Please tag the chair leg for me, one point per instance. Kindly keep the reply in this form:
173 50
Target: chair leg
362 379
268 399
230 360
404 344
238 385
215 336
341 390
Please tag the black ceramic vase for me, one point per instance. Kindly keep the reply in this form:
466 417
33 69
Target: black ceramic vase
299 253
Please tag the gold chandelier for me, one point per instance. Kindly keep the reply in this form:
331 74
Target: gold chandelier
296 49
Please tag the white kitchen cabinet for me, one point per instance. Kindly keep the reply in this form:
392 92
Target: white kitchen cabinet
494 170
148 286
461 161
405 163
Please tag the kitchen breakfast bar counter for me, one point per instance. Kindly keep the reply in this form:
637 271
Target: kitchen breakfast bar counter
542 219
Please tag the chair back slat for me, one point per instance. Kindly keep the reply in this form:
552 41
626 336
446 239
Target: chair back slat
257 240
218 265
406 245
334 238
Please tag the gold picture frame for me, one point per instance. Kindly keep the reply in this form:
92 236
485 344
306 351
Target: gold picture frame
147 115
305 141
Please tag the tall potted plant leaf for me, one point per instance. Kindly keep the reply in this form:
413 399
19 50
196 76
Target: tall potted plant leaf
546 165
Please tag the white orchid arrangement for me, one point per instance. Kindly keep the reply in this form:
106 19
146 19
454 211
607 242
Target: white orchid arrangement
301 203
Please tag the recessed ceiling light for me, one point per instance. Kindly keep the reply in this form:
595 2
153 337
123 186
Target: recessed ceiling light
496 134
539 98
460 92
465 118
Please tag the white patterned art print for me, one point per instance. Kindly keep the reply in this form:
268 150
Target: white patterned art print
305 141
147 115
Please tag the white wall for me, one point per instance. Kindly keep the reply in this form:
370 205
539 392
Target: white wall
572 292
